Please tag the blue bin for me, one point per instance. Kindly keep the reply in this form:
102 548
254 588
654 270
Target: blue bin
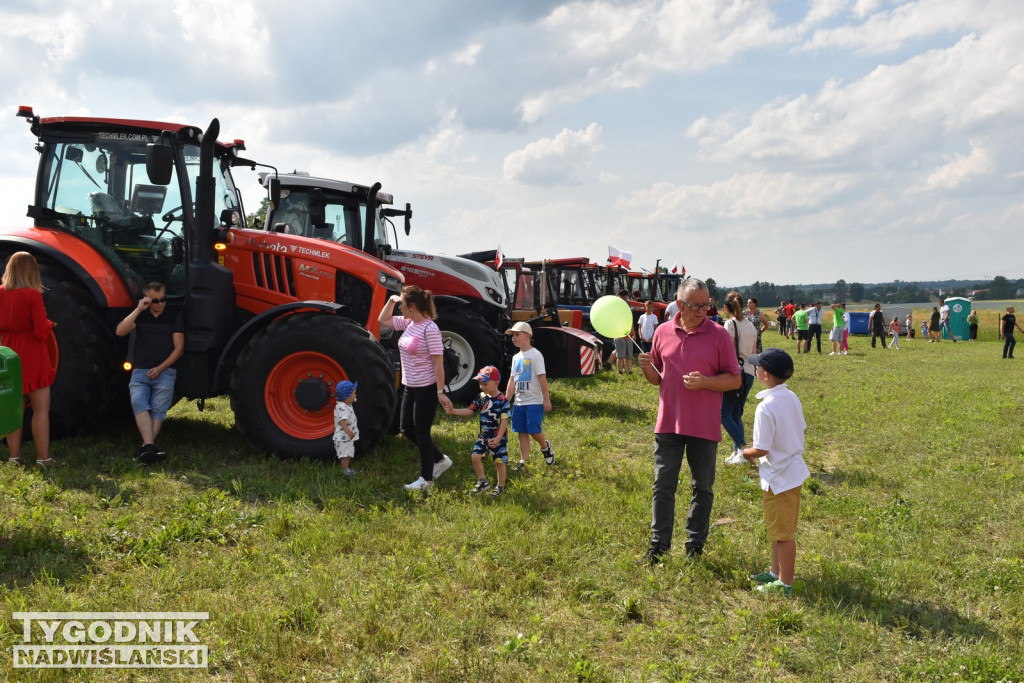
12 402
859 323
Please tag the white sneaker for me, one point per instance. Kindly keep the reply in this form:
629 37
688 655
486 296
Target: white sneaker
736 458
441 466
420 484
832 354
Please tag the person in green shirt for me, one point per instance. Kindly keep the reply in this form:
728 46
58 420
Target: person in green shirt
838 326
802 327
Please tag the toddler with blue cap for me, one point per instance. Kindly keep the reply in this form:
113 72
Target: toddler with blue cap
346 431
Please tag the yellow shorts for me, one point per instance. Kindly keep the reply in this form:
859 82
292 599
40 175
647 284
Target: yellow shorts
781 513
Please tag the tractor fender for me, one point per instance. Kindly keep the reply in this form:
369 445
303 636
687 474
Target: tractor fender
80 259
244 333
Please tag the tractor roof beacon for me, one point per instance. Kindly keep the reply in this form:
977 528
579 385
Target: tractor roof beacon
471 303
275 321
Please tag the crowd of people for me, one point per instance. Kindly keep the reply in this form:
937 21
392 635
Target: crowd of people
704 367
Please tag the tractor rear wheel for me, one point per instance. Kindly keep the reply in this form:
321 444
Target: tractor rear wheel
477 343
282 387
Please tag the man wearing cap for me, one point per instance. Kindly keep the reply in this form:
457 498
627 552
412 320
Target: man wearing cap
692 361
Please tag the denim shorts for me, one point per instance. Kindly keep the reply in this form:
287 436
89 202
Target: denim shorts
527 419
152 395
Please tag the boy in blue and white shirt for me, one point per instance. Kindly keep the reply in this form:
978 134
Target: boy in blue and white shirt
493 440
779 429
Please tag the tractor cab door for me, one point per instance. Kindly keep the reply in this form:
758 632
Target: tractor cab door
97 188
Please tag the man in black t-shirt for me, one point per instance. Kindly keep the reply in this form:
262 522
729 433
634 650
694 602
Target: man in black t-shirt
159 342
876 322
1009 323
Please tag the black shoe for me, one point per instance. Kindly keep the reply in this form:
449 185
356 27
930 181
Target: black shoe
150 455
652 557
694 549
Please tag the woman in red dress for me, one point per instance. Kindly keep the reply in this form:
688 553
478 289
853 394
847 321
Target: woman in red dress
25 329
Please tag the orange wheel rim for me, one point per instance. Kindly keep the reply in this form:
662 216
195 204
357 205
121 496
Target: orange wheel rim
299 394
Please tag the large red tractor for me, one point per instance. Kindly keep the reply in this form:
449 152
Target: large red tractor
273 320
472 310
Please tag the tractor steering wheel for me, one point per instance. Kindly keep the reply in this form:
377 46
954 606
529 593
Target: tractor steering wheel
168 219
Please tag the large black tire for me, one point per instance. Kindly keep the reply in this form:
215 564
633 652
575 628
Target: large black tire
282 387
89 375
477 343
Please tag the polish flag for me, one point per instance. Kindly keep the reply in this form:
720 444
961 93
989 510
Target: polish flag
675 267
498 258
618 257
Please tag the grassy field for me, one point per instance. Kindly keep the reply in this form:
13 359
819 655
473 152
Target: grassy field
910 545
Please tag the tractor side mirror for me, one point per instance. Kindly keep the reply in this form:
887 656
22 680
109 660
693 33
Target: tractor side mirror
274 191
408 218
159 163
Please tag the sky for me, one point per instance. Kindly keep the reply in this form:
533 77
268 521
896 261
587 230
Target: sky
790 142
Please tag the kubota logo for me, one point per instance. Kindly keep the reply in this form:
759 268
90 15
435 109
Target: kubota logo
267 246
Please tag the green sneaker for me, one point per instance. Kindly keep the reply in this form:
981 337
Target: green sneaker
763 577
775 588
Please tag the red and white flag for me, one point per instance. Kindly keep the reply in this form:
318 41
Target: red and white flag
618 257
675 267
498 258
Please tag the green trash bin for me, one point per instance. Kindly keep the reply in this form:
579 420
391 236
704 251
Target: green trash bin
12 402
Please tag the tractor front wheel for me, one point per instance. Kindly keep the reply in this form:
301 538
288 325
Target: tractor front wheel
282 387
477 343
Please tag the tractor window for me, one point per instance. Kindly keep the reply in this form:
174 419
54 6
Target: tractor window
99 190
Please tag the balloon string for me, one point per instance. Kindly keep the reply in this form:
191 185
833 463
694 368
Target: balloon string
640 348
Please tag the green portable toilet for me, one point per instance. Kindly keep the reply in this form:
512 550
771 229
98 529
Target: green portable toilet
12 402
959 309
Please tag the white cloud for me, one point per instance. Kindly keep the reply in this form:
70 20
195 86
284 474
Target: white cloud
624 46
468 55
746 196
563 159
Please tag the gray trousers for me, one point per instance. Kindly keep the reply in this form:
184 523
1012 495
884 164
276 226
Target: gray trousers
668 461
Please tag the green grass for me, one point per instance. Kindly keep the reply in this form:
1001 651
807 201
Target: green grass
910 543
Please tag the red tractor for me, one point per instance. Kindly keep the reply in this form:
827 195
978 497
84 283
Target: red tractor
472 309
273 320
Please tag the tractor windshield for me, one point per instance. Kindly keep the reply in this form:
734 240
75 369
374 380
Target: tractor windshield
99 190
344 218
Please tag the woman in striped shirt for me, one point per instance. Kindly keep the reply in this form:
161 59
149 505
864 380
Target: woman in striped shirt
422 356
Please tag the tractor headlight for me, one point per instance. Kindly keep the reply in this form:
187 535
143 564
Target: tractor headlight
389 282
495 295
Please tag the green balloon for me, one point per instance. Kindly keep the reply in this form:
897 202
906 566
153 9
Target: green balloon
611 316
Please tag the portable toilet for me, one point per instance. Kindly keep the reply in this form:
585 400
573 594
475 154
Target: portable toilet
959 309
12 402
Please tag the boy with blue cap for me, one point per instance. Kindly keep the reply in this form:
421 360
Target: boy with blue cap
493 440
346 431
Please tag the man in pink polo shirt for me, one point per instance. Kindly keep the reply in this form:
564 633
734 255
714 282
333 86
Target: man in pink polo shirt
692 361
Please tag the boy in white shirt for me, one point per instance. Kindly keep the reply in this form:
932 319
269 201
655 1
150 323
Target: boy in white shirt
779 429
646 324
528 383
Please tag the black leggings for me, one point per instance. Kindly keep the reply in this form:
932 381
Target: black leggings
419 406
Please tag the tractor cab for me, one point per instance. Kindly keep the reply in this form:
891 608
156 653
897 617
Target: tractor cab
94 184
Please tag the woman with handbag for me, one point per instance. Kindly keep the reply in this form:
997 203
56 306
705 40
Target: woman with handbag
744 336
